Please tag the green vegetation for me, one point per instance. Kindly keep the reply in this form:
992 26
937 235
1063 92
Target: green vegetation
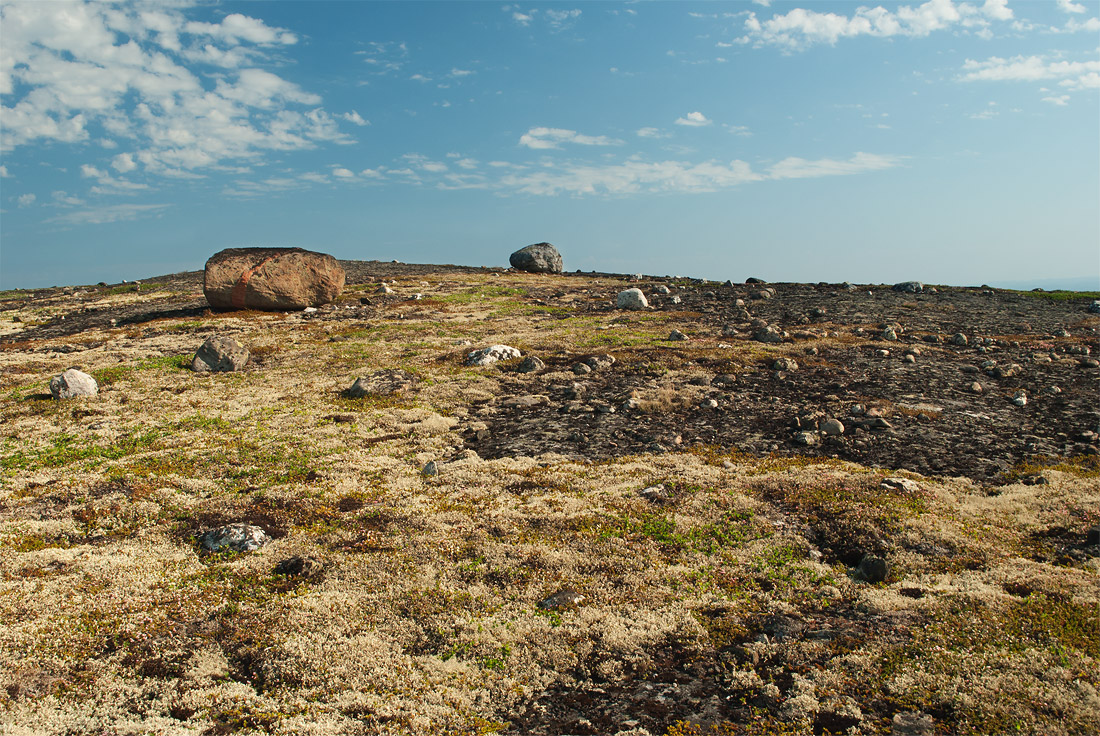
107 376
480 294
1060 295
69 450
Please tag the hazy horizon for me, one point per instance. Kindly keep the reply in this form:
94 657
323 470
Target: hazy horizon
940 141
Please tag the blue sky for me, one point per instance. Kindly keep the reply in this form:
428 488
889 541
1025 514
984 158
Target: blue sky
950 142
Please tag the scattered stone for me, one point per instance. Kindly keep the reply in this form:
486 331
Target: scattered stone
818 312
882 353
754 280
341 418
766 293
661 289
524 402
388 382
806 439
768 334
492 354
830 426
220 355
272 279
562 599
599 361
785 364
631 299
581 368
889 334
909 287
675 299
299 567
709 404
430 469
1020 398
72 384
913 723
1093 536
1094 308
873 568
537 258
959 339
677 335
530 364
976 388
908 358
236 537
384 288
905 485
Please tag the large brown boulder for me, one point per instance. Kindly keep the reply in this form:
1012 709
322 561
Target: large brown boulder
274 279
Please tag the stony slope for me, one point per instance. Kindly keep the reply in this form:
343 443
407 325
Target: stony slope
725 601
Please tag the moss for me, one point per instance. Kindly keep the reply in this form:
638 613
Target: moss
108 376
70 450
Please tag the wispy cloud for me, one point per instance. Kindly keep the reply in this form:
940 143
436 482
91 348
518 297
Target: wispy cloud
354 117
694 120
25 200
1068 6
652 133
801 28
110 213
545 138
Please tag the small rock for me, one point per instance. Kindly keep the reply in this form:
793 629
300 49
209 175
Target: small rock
299 567
237 537
659 494
530 364
599 361
562 599
1093 536
889 334
387 382
492 354
882 353
806 439
430 469
675 299
976 388
768 293
709 404
873 568
906 485
524 402
831 427
913 723
661 289
909 359
1094 308
959 339
631 299
72 384
1020 398
768 334
581 368
785 364
909 287
220 355
677 335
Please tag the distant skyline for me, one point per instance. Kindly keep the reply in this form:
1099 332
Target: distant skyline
947 142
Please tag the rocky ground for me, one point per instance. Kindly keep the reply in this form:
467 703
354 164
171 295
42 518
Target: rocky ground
701 478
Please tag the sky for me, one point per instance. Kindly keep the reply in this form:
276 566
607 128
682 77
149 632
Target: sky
946 142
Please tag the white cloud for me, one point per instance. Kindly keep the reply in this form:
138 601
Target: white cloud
134 70
123 162
738 129
66 199
522 18
560 18
371 173
26 200
107 184
354 117
1068 6
652 133
694 119
799 168
1074 26
456 73
4 172
342 173
544 138
112 213
1071 75
800 28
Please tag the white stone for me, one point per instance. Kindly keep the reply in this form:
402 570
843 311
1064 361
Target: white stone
631 299
73 383
492 354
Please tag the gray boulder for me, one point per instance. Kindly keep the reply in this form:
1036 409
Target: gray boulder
73 383
530 364
220 355
537 258
631 299
873 568
388 382
236 537
909 287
